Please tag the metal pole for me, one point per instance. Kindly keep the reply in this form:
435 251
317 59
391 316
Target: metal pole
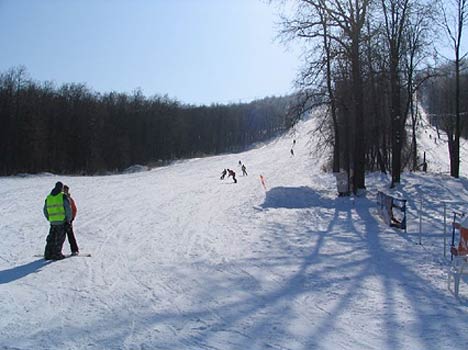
420 218
445 229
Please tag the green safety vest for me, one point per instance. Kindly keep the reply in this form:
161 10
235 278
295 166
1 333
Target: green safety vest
55 208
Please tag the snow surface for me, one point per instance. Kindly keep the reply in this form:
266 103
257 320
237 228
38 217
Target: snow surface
183 260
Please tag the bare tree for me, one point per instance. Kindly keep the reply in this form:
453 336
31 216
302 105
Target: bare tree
328 24
417 38
395 17
454 19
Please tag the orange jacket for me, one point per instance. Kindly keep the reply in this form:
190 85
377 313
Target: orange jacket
73 207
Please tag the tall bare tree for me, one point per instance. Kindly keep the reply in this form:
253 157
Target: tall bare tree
418 34
395 17
455 17
337 23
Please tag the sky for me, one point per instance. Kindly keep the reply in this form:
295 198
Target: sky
196 51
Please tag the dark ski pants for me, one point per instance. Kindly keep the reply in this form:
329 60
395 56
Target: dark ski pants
55 240
71 238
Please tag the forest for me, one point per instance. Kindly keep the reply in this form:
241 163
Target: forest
372 63
71 129
369 64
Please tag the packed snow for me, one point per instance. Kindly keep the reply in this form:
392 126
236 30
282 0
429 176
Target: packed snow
184 260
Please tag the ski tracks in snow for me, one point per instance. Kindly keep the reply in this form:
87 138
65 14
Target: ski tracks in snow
181 259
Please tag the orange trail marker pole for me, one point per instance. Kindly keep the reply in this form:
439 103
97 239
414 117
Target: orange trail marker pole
262 180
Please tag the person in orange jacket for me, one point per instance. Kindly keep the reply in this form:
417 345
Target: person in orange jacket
69 225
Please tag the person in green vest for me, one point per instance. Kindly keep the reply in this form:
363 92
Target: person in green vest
58 212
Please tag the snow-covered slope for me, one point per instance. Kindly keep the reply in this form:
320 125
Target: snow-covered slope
183 260
436 147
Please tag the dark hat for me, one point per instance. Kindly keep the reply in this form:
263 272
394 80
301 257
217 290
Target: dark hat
58 185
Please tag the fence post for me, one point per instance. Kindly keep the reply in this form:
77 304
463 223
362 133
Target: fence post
403 209
420 218
445 230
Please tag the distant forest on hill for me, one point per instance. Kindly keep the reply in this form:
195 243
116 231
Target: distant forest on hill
73 130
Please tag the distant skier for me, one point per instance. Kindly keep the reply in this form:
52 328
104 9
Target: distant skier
292 148
244 170
233 174
69 225
58 212
223 174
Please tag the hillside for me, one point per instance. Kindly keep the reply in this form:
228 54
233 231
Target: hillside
183 260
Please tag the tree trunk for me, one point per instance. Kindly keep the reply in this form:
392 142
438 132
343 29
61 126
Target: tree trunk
359 135
395 115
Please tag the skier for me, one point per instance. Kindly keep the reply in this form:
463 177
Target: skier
244 170
69 225
57 211
292 148
223 174
233 174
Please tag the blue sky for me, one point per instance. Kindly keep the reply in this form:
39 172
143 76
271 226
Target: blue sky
197 51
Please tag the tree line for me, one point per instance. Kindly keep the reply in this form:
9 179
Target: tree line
73 130
366 61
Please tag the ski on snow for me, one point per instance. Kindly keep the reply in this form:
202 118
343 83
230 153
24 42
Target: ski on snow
81 255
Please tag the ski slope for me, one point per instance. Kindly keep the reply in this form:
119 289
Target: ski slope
435 145
183 260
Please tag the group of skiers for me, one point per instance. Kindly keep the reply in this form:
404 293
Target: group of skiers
232 173
60 210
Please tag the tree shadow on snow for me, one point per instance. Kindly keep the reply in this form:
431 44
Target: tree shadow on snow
18 272
294 198
312 274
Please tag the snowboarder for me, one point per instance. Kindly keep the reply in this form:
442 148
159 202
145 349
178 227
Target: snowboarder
69 225
57 211
223 174
244 170
233 174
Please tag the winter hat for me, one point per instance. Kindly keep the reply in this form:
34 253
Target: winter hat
59 185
